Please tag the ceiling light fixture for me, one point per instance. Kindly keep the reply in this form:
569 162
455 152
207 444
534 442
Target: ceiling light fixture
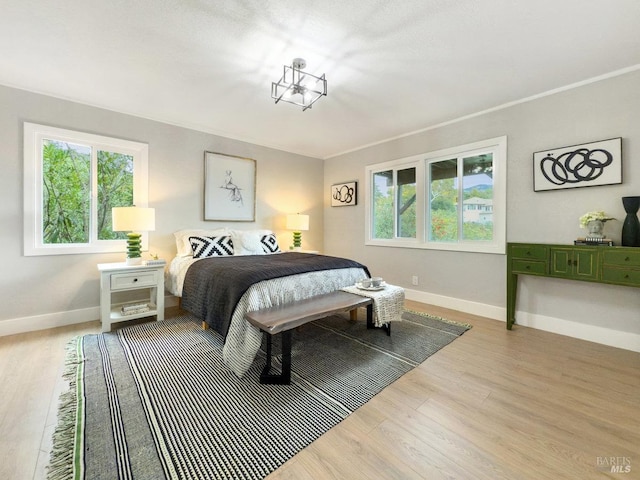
298 87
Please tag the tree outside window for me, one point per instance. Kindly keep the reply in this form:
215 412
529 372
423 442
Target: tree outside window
394 199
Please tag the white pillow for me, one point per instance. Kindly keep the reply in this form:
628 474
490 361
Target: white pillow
247 242
183 246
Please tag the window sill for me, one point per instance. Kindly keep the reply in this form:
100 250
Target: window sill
496 249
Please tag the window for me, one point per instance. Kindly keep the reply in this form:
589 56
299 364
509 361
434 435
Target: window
461 198
394 203
453 199
72 180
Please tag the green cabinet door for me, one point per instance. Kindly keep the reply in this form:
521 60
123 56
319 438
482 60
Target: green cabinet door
561 262
585 262
578 263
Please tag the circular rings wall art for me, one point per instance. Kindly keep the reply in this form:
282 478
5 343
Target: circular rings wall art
587 165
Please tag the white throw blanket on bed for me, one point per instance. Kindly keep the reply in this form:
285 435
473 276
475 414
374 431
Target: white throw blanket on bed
387 303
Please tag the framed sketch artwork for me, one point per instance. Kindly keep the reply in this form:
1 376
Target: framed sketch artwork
586 165
229 188
344 194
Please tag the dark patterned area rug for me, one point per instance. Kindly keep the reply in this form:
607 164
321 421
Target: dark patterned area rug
155 400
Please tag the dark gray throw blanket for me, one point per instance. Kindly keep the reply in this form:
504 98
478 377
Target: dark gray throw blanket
213 286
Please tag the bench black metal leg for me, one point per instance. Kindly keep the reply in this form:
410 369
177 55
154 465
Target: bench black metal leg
386 327
286 357
283 378
267 366
370 316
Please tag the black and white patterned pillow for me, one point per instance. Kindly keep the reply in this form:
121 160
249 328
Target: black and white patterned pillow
211 246
269 243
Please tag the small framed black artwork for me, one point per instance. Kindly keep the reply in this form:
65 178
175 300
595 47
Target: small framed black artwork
344 194
586 165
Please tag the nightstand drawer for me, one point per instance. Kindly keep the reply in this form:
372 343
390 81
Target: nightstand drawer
123 281
621 276
533 252
529 267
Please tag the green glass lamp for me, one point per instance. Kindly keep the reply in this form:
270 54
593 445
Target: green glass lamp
133 220
298 223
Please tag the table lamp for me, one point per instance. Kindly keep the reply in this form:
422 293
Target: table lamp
298 223
133 220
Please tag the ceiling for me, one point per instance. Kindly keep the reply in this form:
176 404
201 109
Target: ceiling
392 66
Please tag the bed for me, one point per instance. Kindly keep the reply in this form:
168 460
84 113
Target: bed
222 274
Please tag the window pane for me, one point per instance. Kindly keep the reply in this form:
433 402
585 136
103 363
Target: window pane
383 204
66 175
477 207
406 203
443 200
115 189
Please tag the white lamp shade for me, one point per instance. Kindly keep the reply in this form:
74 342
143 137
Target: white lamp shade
133 219
298 222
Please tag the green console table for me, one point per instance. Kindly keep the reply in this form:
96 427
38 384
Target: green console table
598 264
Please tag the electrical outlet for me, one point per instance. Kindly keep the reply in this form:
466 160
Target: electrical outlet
414 280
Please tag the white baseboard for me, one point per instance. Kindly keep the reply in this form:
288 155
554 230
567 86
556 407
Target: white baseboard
475 308
59 319
48 320
591 333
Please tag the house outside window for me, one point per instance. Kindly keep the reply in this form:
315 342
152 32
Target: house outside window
452 199
72 181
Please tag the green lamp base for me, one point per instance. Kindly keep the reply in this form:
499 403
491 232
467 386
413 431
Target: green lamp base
297 239
134 252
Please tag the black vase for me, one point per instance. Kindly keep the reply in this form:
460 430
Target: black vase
631 225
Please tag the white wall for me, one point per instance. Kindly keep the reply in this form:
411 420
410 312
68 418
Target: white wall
45 291
477 282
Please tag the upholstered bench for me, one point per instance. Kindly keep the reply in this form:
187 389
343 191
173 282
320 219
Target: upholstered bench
284 318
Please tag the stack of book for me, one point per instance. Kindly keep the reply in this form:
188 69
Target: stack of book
154 261
135 308
593 241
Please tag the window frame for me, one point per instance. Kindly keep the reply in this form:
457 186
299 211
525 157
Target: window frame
497 146
395 166
34 135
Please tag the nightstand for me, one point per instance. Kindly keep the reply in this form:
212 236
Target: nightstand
120 277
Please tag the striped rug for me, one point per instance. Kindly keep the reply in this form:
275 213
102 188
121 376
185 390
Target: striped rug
155 400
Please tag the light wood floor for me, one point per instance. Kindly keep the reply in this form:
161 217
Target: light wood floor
494 404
